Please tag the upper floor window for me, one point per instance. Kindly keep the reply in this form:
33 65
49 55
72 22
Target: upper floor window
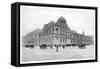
39 35
57 38
53 29
63 40
60 39
56 29
47 31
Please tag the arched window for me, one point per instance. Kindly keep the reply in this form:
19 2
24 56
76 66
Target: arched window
56 29
53 29
39 34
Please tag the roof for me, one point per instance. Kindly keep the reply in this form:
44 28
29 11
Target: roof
61 19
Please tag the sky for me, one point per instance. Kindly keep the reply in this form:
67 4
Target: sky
33 17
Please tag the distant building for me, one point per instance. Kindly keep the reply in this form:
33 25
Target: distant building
58 33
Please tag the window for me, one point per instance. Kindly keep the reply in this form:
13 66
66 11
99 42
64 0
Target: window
60 40
63 40
47 31
39 35
53 29
63 32
56 29
57 38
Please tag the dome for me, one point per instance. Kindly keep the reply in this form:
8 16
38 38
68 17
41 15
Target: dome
61 20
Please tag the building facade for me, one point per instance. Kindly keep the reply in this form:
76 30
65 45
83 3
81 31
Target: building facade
58 33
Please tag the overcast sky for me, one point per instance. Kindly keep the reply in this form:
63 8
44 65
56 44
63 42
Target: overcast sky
33 17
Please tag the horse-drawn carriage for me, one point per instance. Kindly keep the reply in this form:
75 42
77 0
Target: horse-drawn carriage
82 46
43 46
29 46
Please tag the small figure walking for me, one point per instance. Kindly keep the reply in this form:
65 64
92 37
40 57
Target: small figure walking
56 48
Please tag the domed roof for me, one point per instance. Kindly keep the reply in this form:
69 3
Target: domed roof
61 19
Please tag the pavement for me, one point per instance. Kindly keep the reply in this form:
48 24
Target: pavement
37 54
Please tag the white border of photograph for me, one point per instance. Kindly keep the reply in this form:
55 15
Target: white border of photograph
56 16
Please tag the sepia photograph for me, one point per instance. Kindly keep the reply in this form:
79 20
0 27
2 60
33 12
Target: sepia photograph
52 34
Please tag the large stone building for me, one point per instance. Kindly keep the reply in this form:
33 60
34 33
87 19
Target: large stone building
58 33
